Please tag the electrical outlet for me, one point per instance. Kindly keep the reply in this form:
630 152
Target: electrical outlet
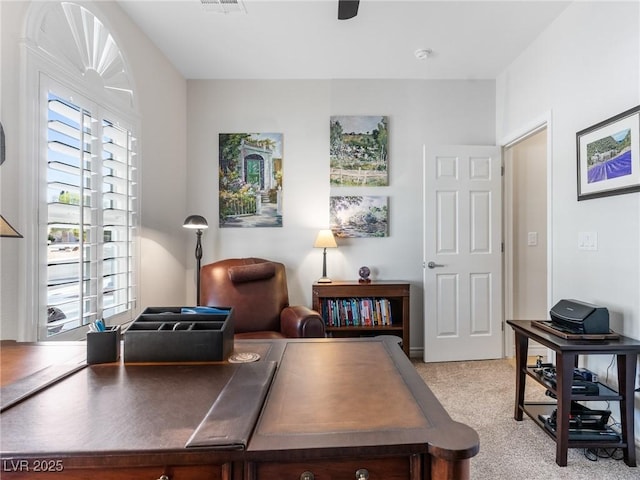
587 241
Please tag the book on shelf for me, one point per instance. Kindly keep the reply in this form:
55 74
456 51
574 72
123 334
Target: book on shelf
356 312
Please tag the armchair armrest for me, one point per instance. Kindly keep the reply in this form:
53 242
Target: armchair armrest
301 322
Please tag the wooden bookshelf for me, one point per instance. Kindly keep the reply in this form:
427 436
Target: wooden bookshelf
351 321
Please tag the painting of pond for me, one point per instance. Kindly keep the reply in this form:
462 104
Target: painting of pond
358 216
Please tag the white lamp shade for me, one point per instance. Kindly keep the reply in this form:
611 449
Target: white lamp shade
325 239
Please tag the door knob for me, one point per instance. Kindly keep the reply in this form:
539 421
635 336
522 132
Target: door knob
434 265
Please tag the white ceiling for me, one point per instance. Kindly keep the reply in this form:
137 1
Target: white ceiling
303 39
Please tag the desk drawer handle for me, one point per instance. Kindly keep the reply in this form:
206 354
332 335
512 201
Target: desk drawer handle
164 477
306 476
362 474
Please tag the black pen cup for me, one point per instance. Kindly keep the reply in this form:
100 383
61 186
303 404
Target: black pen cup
104 347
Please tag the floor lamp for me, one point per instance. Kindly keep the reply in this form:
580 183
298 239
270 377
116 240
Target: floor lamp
198 223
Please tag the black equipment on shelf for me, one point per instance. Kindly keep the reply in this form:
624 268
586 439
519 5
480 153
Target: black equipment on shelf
580 386
584 424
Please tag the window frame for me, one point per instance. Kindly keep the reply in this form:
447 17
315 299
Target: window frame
39 69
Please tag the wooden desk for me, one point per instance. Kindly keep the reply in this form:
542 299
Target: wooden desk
567 352
333 406
21 360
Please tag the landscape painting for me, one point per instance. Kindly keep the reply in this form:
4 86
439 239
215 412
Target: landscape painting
608 162
609 157
358 151
250 180
358 216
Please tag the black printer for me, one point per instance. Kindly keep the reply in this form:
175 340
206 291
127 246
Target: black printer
574 316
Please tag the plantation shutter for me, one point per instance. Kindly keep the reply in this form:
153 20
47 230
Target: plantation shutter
120 209
91 215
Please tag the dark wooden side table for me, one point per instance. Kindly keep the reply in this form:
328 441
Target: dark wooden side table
567 352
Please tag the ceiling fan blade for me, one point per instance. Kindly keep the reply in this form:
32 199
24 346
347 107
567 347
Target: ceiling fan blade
347 9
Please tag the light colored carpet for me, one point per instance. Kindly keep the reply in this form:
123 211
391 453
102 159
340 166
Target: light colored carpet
481 394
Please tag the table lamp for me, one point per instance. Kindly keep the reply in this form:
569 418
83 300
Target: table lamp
325 240
198 223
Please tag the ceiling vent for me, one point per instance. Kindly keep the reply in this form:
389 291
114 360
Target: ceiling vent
224 6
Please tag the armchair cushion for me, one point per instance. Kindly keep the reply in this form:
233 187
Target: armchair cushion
250 273
257 291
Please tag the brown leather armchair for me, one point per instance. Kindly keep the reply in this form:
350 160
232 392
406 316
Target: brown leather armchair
257 291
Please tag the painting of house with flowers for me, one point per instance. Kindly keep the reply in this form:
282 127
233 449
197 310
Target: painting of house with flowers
250 180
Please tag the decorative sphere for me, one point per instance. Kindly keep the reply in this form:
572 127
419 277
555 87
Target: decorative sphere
364 272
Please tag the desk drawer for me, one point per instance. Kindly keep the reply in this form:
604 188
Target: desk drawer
391 468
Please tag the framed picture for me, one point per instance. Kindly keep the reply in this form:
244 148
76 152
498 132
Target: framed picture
358 216
250 180
608 156
358 151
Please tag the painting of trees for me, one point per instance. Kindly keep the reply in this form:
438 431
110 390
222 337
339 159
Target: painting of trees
358 150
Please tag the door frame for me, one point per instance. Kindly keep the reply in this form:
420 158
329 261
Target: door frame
533 127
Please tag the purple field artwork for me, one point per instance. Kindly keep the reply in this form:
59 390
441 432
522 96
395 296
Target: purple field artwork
616 167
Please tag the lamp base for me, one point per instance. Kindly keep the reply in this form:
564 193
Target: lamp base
324 280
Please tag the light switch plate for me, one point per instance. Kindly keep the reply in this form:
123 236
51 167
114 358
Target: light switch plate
532 239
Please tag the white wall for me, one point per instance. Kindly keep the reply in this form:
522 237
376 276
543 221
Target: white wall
420 112
9 171
584 69
161 100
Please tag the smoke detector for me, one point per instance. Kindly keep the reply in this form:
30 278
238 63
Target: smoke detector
224 6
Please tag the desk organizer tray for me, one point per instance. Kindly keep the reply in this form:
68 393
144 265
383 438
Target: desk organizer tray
165 334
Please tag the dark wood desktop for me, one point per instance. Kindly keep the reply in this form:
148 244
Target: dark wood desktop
333 408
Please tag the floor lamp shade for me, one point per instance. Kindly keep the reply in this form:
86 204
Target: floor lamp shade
197 223
324 240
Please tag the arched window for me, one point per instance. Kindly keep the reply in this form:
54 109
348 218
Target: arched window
85 172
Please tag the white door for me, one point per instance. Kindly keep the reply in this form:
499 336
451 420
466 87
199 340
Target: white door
463 253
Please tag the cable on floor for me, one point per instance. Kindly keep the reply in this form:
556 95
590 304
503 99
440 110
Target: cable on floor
594 454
